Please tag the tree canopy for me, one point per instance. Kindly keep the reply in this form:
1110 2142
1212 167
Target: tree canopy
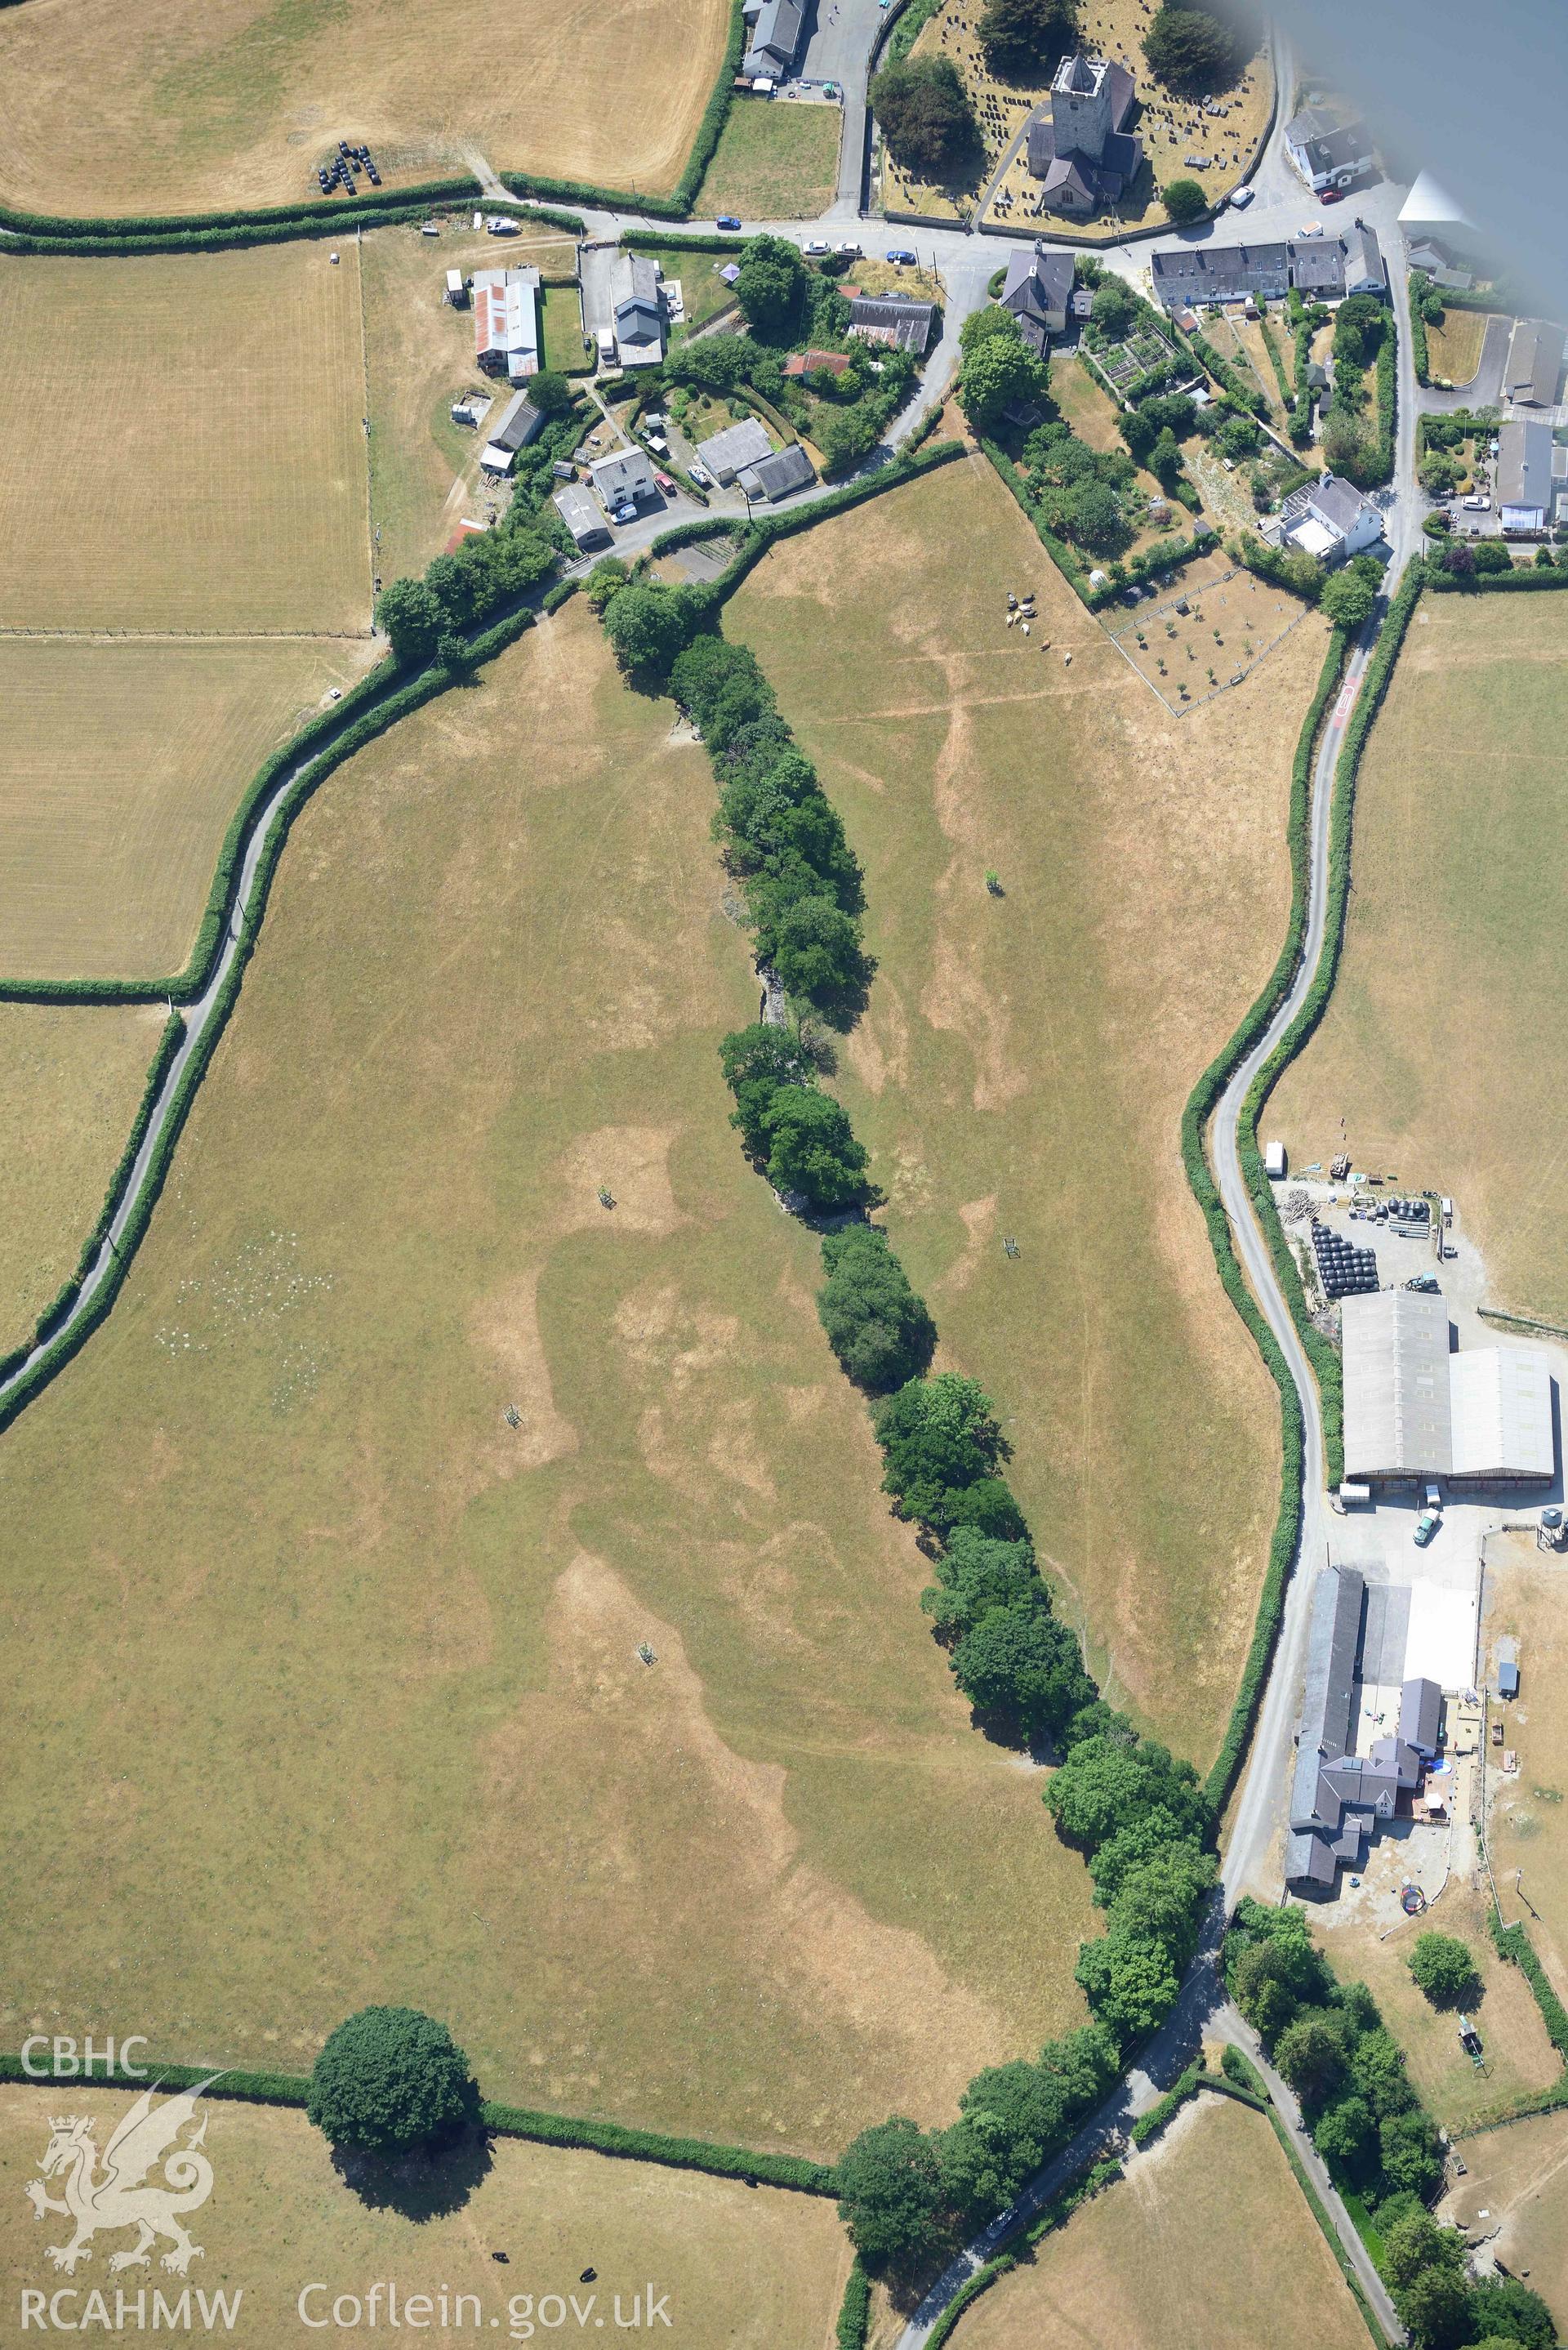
391 2080
772 278
1027 39
938 1436
812 1149
1185 200
892 2194
647 626
1193 50
926 116
880 1330
411 617
756 1062
997 369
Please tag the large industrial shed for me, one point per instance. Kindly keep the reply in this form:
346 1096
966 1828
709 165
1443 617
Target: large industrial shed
1414 1409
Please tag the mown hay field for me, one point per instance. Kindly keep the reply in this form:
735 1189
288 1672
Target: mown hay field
734 2268
419 350
199 104
1207 2244
123 762
1516 2192
1022 1071
775 161
214 483
1438 1049
768 1887
70 1078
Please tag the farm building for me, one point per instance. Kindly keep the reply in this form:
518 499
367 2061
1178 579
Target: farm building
778 476
625 475
1326 151
724 453
506 322
1414 1409
1532 474
772 36
638 315
1337 1797
1038 291
520 423
580 515
1079 151
894 318
1329 519
1533 365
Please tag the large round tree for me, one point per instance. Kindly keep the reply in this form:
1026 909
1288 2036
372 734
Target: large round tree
390 2080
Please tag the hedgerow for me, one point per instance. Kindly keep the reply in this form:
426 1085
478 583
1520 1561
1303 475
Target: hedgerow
1514 1944
459 189
1201 1105
1147 2127
855 2309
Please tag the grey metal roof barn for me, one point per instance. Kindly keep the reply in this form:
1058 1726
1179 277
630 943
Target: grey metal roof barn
1534 363
724 453
1525 493
1413 1410
520 421
893 318
1421 1715
789 469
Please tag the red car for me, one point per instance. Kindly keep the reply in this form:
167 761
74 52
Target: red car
1330 195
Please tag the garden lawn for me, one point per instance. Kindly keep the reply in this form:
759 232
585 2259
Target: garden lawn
1454 348
1519 2055
766 1887
198 104
70 1078
1455 946
123 762
1023 1067
1206 2244
774 160
222 491
737 2269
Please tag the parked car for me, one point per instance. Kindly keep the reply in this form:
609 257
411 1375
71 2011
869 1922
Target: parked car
1427 1525
1479 502
1242 197
816 244
850 249
726 220
902 256
665 483
1310 228
1330 195
627 513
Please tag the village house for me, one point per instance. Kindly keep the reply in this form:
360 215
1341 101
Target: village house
897 319
1329 519
1325 149
1039 293
639 314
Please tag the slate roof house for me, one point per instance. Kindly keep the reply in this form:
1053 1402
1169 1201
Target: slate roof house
1080 152
1196 273
724 453
1039 291
1336 1795
895 318
639 320
1324 150
772 37
1534 363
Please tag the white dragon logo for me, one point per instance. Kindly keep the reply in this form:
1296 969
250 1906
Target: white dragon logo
119 2199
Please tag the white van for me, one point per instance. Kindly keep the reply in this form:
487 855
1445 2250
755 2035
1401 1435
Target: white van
606 347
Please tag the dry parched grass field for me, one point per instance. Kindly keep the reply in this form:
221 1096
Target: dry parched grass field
1518 2177
1206 2244
1023 1067
70 1078
1527 1830
774 160
198 104
738 2269
1456 955
770 1887
216 482
124 763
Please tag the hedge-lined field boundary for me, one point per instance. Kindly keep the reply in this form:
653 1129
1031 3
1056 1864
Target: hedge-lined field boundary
1343 2261
310 215
1200 1106
1323 1355
386 713
854 2310
797 2173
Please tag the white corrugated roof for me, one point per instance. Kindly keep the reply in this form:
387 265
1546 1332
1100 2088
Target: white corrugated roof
1397 1407
1501 1412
